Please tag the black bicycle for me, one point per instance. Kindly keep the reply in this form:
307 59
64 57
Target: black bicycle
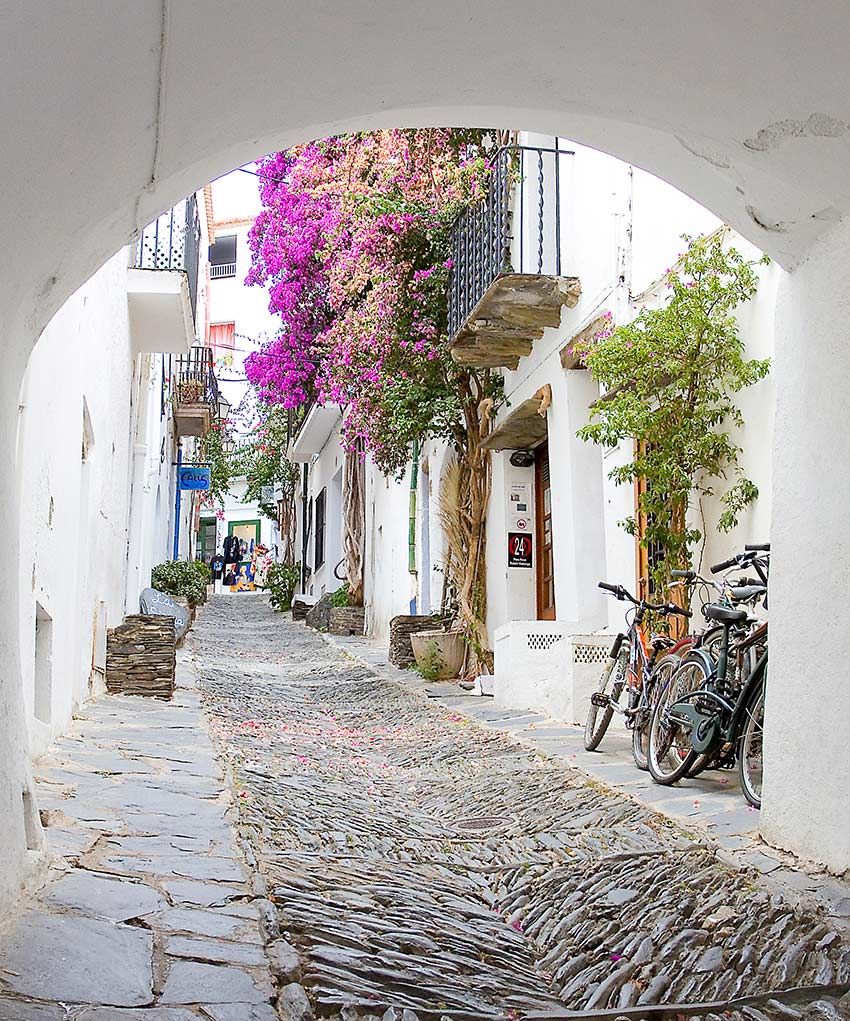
712 708
642 666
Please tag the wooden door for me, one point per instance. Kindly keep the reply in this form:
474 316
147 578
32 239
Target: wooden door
543 514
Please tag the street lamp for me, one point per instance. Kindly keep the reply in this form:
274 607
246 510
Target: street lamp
223 408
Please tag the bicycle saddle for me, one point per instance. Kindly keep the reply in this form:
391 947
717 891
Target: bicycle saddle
743 593
724 614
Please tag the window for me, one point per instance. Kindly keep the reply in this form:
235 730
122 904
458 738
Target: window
222 337
43 671
319 557
223 257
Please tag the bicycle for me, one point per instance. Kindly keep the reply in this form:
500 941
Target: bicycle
632 662
705 715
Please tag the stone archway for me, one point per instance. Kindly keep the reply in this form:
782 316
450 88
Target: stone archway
110 114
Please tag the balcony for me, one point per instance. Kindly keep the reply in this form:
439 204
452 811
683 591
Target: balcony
310 428
194 392
162 283
172 243
220 270
507 283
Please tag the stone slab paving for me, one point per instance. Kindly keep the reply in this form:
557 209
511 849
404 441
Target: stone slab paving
149 913
711 806
422 865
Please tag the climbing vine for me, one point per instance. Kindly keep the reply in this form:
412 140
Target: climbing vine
670 377
353 244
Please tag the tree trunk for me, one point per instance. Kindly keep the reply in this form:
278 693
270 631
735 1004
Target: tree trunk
465 495
354 522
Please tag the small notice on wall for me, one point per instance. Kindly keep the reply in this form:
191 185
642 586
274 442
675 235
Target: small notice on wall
519 549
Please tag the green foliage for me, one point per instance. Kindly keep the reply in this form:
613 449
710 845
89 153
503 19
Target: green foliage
221 463
670 378
432 664
281 582
263 459
340 597
187 579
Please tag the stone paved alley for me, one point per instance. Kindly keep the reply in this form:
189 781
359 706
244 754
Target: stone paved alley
393 860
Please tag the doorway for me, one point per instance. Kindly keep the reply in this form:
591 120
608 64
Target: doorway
543 527
207 539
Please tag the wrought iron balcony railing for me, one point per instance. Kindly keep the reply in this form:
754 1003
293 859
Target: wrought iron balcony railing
194 379
173 242
222 269
515 228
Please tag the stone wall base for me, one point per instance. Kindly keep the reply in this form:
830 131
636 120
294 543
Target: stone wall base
347 620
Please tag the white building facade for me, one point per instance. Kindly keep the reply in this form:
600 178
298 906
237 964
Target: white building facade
238 321
98 438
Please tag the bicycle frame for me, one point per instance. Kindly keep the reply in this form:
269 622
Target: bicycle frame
731 713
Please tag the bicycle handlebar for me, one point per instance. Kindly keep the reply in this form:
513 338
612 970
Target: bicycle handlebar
621 593
731 562
684 575
757 547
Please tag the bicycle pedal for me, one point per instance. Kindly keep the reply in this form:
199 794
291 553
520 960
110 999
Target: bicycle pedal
600 700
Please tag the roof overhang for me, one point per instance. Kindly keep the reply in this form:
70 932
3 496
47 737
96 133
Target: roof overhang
313 434
160 311
526 427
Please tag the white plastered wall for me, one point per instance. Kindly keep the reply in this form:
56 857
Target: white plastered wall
73 537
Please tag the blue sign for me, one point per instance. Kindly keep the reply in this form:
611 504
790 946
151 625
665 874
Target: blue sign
194 478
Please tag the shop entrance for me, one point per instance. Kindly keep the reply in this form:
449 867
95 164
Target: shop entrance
543 514
245 530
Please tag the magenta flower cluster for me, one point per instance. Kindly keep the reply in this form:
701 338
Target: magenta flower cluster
351 244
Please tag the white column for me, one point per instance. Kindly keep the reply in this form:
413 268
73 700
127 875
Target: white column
807 761
18 811
577 504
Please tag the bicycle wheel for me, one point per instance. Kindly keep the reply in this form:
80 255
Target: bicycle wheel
670 755
661 674
750 755
599 717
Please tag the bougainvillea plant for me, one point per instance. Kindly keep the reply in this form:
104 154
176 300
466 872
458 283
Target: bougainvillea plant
670 377
353 244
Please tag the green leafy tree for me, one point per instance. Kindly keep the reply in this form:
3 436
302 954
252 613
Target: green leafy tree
670 378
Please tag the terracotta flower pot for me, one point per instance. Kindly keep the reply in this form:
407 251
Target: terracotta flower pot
440 650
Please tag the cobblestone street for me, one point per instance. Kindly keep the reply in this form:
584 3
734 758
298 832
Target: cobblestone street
397 862
418 862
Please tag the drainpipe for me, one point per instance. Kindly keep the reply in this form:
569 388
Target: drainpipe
177 496
304 536
411 525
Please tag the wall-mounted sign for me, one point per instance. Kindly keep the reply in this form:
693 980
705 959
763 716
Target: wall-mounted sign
194 478
522 525
519 549
519 498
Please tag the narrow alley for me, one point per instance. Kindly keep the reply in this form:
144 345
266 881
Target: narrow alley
407 864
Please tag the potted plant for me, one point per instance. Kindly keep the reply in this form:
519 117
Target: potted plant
439 654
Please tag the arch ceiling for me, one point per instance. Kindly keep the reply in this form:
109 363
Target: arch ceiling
111 111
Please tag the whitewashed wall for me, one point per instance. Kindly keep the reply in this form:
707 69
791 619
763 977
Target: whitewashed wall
73 513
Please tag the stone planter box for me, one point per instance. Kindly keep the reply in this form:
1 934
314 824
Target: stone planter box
441 649
319 616
300 609
140 657
405 625
347 620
